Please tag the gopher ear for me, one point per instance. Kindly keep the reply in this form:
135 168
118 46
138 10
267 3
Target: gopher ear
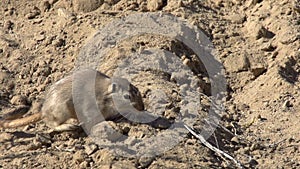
112 88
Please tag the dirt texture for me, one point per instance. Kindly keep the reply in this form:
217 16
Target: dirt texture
257 41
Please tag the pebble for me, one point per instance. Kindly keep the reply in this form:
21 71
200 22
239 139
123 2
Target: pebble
105 6
36 144
186 62
289 37
79 157
154 5
235 140
62 12
19 100
33 13
6 137
84 165
45 6
111 2
296 6
256 30
104 167
236 63
255 146
145 160
173 4
123 165
44 139
86 5
106 131
41 88
3 76
267 47
58 42
252 2
90 149
103 157
40 38
258 69
237 18
9 12
286 104
253 163
8 25
51 2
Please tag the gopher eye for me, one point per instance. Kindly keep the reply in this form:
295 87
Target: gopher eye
126 96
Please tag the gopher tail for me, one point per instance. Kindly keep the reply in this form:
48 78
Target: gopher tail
20 122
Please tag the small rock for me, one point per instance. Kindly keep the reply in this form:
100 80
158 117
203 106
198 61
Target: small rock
255 146
36 144
236 63
79 157
45 71
9 12
105 130
51 2
286 104
35 12
258 69
257 30
87 5
173 4
3 76
160 123
296 6
8 25
6 137
253 163
145 160
252 2
104 167
62 12
154 5
111 2
237 18
289 37
90 149
40 38
235 140
10 85
103 157
19 100
237 2
84 164
41 88
105 6
267 47
123 165
186 62
45 6
44 139
58 42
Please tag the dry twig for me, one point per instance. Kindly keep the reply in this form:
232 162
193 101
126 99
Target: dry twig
211 147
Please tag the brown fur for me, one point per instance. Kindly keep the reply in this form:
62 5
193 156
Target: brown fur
58 107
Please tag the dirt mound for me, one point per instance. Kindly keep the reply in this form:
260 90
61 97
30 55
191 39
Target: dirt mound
256 41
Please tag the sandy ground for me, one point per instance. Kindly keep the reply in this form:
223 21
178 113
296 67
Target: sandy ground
256 41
